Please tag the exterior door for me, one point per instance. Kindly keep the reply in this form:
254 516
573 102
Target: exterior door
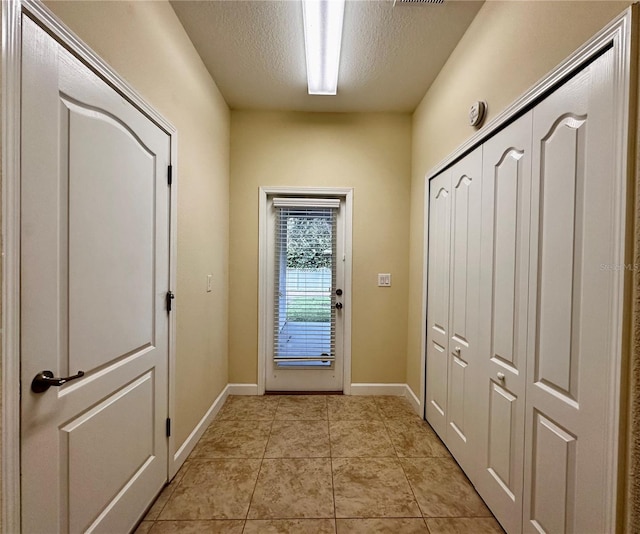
503 319
306 286
574 303
95 257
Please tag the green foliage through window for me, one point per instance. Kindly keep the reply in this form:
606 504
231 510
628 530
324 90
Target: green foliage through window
309 244
309 309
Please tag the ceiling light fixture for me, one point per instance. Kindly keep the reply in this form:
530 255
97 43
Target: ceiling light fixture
322 40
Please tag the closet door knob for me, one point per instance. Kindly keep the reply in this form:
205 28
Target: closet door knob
501 377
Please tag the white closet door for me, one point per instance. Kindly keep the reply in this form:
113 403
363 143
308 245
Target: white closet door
506 196
463 358
438 300
574 303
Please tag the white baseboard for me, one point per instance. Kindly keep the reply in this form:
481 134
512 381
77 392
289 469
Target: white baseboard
413 400
185 449
242 389
378 389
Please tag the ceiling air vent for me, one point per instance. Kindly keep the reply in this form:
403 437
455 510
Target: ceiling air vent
396 2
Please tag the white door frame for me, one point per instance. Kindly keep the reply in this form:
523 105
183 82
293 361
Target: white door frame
617 35
12 13
345 193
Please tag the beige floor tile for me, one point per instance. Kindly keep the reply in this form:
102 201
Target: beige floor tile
372 487
302 407
233 439
442 489
347 407
475 525
249 408
298 439
363 439
162 499
395 408
213 489
290 526
382 526
159 503
198 527
414 438
293 488
144 527
180 474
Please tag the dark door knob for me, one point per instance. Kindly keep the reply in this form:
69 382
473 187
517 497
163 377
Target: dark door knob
338 305
44 380
339 292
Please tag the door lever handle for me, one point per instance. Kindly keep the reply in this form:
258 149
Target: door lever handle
45 379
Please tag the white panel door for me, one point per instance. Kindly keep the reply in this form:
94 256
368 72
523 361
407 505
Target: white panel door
506 197
94 255
438 301
463 355
570 381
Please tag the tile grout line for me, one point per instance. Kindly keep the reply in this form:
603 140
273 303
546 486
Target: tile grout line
384 422
171 493
246 517
333 486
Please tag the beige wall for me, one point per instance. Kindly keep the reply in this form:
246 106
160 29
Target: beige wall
146 44
507 48
369 152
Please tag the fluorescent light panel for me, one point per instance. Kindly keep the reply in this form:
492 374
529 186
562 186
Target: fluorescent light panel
322 40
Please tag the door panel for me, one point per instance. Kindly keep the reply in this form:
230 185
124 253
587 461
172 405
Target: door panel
466 180
458 383
460 244
131 411
571 339
503 318
94 259
561 233
98 189
553 491
507 189
502 426
438 300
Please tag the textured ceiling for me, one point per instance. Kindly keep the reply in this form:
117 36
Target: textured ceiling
254 51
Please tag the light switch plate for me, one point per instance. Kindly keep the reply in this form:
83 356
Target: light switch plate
384 280
209 282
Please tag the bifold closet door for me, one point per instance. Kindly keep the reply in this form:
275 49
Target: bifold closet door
574 305
463 358
438 300
506 196
452 320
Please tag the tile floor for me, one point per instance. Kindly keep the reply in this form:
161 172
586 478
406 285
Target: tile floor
315 465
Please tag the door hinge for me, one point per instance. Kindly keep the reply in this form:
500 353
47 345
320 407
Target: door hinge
170 297
170 174
168 426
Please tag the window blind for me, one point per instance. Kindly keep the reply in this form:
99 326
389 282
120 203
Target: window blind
305 277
